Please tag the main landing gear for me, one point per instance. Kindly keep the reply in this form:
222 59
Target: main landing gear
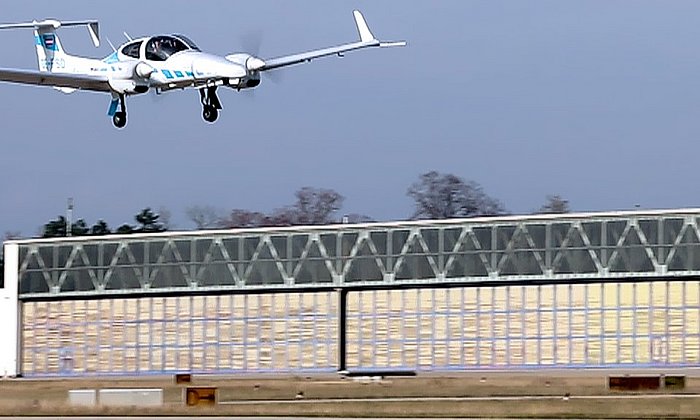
119 117
210 104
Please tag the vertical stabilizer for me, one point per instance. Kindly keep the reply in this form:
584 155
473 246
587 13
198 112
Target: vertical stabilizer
49 51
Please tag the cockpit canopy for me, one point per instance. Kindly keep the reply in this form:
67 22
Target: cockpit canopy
159 48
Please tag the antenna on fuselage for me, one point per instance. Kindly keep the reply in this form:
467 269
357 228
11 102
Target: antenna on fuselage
128 37
111 45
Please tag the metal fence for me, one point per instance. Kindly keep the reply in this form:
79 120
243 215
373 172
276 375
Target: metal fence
543 248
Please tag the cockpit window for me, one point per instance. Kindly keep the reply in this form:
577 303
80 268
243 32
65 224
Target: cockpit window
188 41
133 49
159 48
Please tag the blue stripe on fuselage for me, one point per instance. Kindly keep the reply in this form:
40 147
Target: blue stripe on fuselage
112 58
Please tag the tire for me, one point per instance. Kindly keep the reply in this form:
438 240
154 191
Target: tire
210 114
119 119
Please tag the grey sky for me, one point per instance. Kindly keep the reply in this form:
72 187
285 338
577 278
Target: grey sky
596 100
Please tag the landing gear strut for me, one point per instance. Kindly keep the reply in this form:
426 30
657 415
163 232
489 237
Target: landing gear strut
119 117
210 104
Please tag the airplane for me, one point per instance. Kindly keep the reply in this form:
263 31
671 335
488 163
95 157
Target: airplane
161 62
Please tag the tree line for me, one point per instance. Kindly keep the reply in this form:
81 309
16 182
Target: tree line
435 196
147 221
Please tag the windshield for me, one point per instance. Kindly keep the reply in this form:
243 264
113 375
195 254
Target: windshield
188 41
159 48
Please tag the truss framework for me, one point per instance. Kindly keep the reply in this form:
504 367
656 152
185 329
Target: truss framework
550 248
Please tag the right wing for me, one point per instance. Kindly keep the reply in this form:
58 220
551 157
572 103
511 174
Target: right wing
63 80
366 40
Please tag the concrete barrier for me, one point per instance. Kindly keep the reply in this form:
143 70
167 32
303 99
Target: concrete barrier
82 397
144 397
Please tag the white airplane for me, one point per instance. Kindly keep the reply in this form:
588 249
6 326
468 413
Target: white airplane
162 63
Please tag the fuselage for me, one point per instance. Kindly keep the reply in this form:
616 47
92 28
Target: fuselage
164 62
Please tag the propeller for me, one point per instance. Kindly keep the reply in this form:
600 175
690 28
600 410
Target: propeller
251 41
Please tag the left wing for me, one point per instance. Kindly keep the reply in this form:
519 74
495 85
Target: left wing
366 40
64 80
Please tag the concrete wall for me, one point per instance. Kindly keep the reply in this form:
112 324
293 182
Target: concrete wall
82 397
152 397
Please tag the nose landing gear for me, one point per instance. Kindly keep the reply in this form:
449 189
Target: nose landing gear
210 104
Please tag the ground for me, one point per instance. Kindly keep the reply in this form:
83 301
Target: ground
587 392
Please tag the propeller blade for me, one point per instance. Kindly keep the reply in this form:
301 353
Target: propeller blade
275 76
252 41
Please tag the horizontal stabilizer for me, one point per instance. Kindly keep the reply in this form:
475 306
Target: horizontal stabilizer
92 25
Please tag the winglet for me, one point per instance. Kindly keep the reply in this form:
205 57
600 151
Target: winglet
366 34
362 28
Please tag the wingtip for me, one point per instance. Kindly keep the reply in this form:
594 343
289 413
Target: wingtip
393 44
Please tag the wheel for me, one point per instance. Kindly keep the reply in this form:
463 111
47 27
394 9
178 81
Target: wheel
119 119
210 114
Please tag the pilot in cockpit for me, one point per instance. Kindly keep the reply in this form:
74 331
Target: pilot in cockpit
162 47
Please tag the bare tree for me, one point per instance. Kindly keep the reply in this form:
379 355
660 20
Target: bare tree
555 204
316 206
313 206
204 217
12 234
239 218
443 196
165 218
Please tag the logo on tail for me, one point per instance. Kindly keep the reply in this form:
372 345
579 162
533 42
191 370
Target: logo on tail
49 42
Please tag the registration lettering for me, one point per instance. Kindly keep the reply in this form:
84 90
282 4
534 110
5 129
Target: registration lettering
53 63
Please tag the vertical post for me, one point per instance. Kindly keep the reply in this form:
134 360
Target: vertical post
342 328
69 217
10 314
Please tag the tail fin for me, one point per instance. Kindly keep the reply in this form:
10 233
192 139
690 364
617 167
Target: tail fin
50 53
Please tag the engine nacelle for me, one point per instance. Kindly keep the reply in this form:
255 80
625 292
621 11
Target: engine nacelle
127 86
143 70
250 62
239 58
